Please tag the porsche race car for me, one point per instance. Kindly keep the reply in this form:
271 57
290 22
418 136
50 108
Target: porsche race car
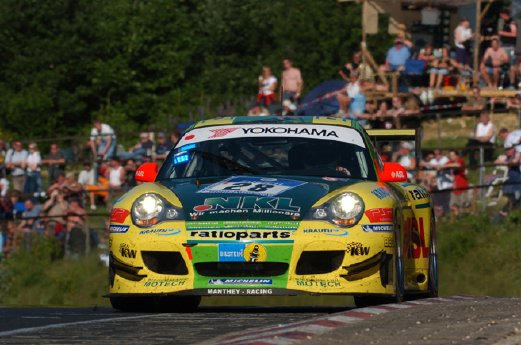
271 206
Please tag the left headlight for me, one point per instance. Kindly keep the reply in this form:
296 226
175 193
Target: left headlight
344 210
150 209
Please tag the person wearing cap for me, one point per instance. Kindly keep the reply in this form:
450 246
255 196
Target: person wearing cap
511 139
397 55
140 150
163 147
405 158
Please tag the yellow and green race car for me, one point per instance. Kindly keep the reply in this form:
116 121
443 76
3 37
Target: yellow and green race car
271 206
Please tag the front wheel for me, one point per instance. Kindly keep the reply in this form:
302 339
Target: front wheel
433 261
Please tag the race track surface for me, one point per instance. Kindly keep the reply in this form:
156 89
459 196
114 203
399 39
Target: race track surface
453 320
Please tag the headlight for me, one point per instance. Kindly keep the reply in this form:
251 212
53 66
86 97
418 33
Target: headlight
150 209
344 210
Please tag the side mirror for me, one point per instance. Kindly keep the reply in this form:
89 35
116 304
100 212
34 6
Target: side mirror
147 172
393 172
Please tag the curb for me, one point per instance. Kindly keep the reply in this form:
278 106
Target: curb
304 330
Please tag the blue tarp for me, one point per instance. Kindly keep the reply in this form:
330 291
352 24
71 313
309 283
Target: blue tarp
323 107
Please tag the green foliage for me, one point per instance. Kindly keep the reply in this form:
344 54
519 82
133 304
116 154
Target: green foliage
149 63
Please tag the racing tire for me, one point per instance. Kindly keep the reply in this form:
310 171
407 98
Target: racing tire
433 261
398 274
173 304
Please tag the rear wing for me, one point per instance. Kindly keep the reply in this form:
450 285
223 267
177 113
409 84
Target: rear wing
380 136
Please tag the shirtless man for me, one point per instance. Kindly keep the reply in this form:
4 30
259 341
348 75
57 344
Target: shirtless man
493 60
291 81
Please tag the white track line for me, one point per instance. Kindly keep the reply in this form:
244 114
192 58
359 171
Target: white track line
59 325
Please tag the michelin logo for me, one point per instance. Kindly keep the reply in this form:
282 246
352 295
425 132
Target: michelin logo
378 228
240 281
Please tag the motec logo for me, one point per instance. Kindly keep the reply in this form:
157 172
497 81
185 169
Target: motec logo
245 204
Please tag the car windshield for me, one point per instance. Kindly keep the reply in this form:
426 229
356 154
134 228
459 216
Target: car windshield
324 151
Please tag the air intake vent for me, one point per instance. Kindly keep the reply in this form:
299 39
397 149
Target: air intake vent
241 269
320 261
165 262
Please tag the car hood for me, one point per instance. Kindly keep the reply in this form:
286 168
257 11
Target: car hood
252 197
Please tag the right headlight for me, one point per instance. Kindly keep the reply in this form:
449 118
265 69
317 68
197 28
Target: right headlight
150 209
344 210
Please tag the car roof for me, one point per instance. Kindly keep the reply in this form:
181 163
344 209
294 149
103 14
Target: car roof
322 120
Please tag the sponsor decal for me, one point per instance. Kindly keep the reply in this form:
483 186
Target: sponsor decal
357 249
118 215
240 291
118 229
309 131
252 281
397 174
239 235
221 132
380 215
255 252
189 137
418 194
378 228
126 252
252 185
160 232
324 283
415 246
164 282
381 193
388 242
236 204
239 225
231 251
329 232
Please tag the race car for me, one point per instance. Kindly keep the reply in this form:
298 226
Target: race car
248 206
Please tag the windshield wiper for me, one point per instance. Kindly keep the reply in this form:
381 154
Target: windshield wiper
223 161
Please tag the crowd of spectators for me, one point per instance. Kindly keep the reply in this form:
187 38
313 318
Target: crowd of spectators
31 204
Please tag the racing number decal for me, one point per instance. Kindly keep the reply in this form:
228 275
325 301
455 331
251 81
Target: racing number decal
249 187
415 246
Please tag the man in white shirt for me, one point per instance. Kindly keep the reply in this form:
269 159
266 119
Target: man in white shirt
511 139
484 136
347 94
102 140
15 161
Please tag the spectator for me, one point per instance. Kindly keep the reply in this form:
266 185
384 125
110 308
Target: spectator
141 150
511 138
76 234
441 66
397 111
102 141
384 115
463 40
9 239
512 187
493 61
115 174
292 82
4 186
56 163
357 67
130 171
458 198
475 101
406 159
163 147
427 55
508 37
443 181
485 137
94 187
15 161
346 95
396 57
174 137
55 209
33 179
30 223
267 87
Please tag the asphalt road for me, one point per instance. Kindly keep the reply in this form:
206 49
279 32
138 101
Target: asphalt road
107 326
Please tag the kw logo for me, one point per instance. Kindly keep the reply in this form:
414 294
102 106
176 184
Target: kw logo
126 252
357 249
